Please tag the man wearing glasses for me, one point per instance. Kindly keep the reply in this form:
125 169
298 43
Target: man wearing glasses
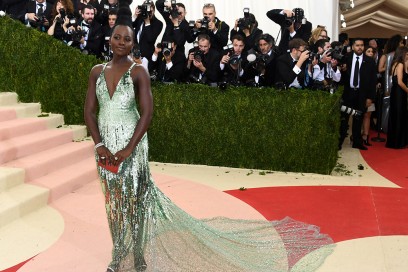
291 67
216 29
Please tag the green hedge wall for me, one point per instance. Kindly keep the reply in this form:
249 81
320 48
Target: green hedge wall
194 124
42 69
244 127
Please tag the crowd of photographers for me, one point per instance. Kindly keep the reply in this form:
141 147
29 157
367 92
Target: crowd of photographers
221 55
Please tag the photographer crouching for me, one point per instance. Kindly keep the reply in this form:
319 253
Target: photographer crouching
325 73
203 63
260 71
167 63
234 61
87 34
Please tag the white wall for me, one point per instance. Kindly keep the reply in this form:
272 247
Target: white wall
323 12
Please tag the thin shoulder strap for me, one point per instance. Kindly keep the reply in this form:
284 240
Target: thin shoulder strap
395 67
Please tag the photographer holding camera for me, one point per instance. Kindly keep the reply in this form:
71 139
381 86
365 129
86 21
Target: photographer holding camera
103 9
167 63
106 51
61 12
234 62
291 67
293 25
247 27
87 34
325 74
216 29
177 27
38 14
203 62
147 28
260 71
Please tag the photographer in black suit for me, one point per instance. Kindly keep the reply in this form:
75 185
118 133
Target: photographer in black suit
293 25
167 64
103 10
359 90
147 28
177 28
260 71
247 27
87 34
216 29
203 62
291 67
38 14
234 61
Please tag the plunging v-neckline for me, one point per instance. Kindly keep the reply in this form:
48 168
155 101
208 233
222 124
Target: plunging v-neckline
120 79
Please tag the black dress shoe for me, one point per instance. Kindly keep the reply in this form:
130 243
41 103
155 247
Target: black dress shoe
365 141
361 147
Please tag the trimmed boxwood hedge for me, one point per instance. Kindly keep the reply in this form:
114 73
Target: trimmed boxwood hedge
242 127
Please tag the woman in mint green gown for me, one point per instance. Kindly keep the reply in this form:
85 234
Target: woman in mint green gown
149 232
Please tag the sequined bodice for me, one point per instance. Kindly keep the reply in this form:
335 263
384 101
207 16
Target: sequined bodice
119 110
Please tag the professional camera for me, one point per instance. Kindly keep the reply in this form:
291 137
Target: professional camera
145 9
313 55
63 14
198 55
41 20
246 22
173 10
298 17
166 48
229 49
204 23
77 35
335 53
136 52
351 111
258 60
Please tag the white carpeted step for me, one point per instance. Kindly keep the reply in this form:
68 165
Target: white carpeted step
8 98
10 177
21 200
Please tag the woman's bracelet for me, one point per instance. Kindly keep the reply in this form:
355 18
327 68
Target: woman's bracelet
99 145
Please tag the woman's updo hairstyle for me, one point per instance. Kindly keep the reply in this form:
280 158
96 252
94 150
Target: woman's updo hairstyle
124 14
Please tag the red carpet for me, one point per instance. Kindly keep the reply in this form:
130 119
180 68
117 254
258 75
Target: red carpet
390 163
342 212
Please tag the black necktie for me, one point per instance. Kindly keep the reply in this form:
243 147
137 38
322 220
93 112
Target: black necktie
356 73
40 9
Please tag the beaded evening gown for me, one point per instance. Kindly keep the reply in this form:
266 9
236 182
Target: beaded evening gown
150 233
397 135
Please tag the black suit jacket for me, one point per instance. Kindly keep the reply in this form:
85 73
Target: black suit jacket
285 73
149 35
31 7
211 62
15 8
95 38
175 73
179 35
250 40
367 85
303 32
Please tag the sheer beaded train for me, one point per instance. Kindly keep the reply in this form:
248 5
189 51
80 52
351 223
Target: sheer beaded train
150 233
